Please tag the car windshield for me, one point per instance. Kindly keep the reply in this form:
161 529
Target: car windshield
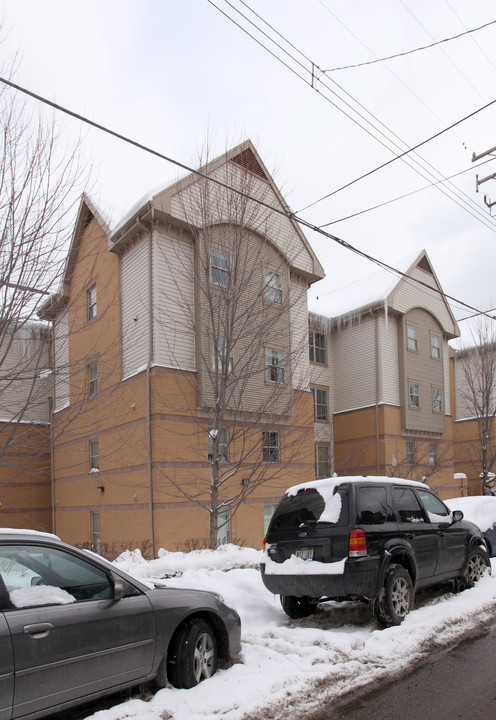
305 507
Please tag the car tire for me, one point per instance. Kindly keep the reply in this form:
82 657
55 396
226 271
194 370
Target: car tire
477 563
298 607
194 655
396 597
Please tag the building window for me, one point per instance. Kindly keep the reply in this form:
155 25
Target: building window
223 450
410 452
269 510
275 365
432 454
412 338
437 405
322 469
91 299
435 346
317 347
414 395
94 456
219 268
320 404
270 446
218 356
96 535
273 286
223 527
93 379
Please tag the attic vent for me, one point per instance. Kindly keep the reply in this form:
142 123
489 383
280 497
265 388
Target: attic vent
425 265
248 161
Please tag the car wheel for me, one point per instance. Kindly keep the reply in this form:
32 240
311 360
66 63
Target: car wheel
194 655
298 607
477 563
396 597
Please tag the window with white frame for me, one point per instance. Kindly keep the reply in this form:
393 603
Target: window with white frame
322 468
320 403
223 527
96 534
219 267
437 404
270 446
432 454
219 355
317 347
275 365
91 302
93 378
94 456
413 389
410 452
273 286
412 337
223 452
435 346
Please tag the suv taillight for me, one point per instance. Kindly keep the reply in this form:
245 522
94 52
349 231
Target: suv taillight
358 543
265 544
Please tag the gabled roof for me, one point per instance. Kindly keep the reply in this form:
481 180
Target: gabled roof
160 201
87 211
381 290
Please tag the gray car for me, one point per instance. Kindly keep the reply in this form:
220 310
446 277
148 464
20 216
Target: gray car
74 628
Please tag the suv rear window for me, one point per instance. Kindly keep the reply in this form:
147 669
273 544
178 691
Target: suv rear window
305 507
374 506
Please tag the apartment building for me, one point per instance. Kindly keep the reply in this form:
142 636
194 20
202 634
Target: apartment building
181 363
380 374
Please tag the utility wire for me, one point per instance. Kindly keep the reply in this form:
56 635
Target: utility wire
410 52
472 208
401 197
278 210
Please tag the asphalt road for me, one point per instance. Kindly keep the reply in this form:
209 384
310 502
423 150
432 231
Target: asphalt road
457 683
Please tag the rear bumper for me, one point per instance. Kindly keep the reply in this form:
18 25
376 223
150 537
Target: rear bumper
359 580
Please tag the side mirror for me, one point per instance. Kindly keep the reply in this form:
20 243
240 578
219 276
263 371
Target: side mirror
457 515
120 588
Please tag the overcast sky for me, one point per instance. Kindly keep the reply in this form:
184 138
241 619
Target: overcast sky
172 73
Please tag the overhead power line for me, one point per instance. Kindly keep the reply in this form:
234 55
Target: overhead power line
315 75
411 52
278 210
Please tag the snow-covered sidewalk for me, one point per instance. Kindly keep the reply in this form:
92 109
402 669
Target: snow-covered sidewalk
290 665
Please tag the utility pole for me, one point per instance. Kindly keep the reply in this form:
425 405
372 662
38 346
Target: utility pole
478 182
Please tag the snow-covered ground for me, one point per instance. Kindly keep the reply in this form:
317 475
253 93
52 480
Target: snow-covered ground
289 666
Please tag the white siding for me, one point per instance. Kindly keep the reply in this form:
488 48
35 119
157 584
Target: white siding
410 294
354 366
61 353
135 307
389 382
299 335
23 394
174 309
446 373
279 229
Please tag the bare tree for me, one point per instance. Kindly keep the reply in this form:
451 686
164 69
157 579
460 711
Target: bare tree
427 459
250 337
476 398
39 184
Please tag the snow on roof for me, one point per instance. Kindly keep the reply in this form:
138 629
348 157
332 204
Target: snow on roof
326 484
35 533
361 293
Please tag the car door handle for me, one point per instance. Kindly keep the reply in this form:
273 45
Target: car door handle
409 536
38 630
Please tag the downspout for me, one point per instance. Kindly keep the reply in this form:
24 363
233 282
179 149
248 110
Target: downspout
51 411
140 226
377 387
149 391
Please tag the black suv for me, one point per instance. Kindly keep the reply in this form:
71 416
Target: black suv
374 539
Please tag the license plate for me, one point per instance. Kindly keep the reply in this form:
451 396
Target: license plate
305 554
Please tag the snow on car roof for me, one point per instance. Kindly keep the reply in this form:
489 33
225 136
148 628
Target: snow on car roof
35 533
332 482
